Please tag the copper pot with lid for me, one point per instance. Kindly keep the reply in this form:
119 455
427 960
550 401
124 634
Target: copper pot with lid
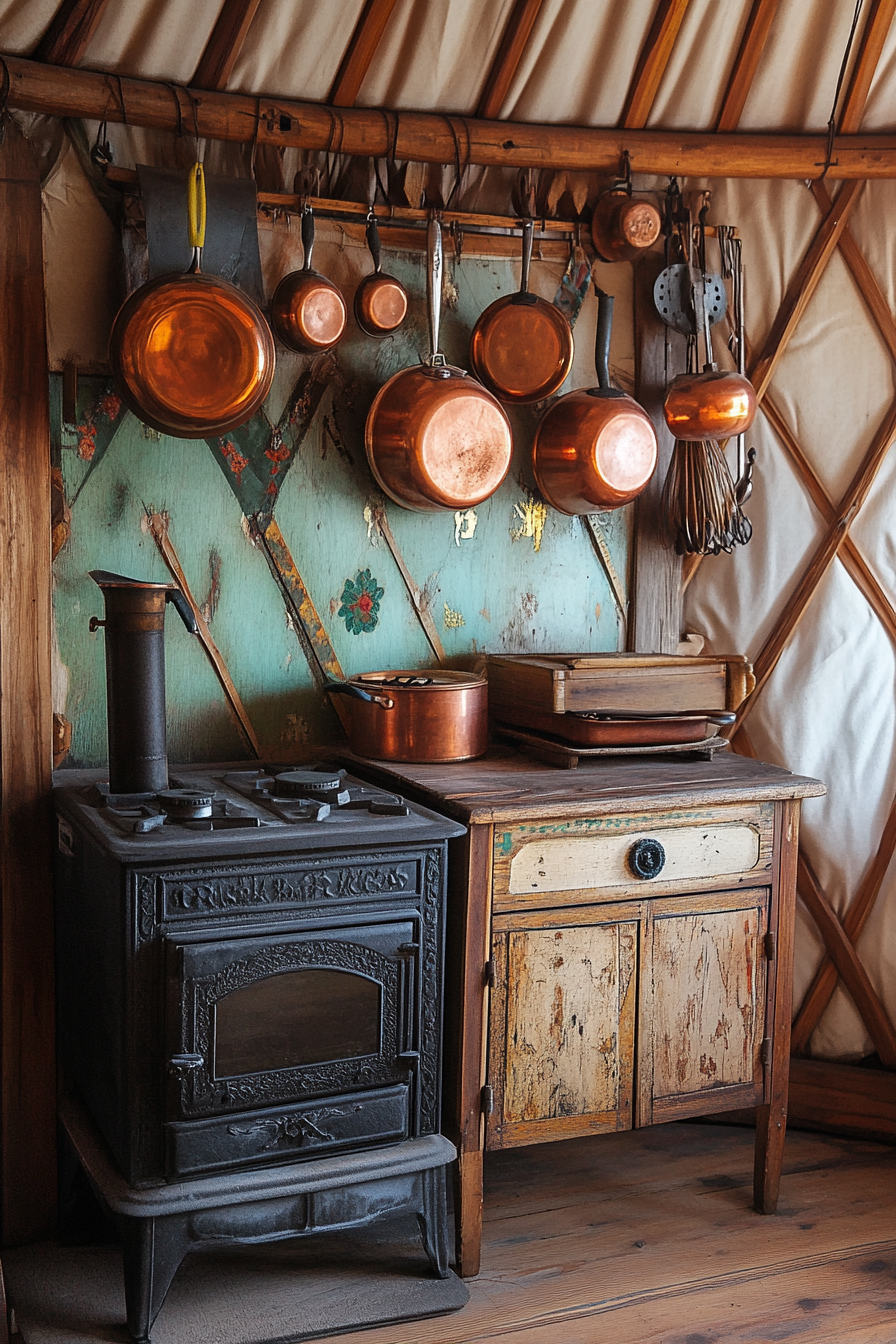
308 312
436 438
594 448
522 345
409 716
381 301
191 354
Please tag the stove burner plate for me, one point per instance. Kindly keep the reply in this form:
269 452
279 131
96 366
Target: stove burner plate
314 784
186 804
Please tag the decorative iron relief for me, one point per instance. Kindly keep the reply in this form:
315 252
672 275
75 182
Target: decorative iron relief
431 1005
188 895
201 1094
295 1131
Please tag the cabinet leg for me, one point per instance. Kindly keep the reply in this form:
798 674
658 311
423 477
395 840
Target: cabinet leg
468 1213
771 1128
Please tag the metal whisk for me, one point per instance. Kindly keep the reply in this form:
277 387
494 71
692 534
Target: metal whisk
700 503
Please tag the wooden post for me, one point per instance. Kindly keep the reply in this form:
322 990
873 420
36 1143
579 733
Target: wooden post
27 1160
655 611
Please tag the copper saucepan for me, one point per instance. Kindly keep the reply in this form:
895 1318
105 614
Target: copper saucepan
308 312
191 354
522 347
414 716
594 449
623 228
381 301
435 438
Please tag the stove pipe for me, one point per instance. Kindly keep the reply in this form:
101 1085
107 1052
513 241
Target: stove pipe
135 678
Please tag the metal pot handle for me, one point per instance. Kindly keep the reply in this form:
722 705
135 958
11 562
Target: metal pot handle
373 241
434 288
348 688
605 304
307 236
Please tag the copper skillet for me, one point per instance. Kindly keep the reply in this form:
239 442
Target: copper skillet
594 448
381 301
191 354
435 438
522 347
308 312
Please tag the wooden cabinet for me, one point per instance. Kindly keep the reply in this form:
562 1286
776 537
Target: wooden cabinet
619 951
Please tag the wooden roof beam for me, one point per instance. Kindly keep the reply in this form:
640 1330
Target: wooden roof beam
510 53
746 63
652 62
873 37
73 25
432 138
225 44
360 52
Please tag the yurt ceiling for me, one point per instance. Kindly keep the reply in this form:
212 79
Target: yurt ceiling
771 103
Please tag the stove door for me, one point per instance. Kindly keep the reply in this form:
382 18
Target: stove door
270 1019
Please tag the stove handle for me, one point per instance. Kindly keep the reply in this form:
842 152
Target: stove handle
183 1065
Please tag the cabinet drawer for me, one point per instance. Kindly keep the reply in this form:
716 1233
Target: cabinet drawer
585 860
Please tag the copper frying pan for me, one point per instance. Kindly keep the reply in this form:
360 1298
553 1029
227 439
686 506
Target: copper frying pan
594 448
522 347
308 312
435 438
381 301
191 354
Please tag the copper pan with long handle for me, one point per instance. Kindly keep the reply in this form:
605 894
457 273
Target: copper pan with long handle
308 312
191 354
381 301
594 448
522 346
435 437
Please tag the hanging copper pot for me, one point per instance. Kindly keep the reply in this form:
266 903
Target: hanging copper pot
308 312
435 438
594 449
711 404
191 354
623 228
381 301
522 347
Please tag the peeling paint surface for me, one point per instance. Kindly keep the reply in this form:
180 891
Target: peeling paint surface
453 619
533 516
465 521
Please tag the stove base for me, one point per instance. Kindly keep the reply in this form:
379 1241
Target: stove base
160 1225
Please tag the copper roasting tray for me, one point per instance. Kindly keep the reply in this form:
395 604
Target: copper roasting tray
564 754
604 730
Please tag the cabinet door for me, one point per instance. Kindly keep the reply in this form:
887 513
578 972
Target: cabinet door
561 1027
702 1005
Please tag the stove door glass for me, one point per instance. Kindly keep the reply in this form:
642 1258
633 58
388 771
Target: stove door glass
296 1018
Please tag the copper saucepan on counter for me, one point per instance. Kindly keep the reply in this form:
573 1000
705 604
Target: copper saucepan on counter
308 312
414 716
436 438
594 448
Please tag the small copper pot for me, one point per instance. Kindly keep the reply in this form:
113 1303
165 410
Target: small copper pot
709 405
381 301
594 448
308 312
624 228
414 716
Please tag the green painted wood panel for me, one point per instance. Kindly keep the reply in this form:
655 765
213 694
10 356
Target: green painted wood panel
488 588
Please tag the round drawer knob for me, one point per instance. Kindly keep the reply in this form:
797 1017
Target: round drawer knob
647 858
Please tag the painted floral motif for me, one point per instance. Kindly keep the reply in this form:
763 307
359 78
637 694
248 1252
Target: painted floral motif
234 458
360 603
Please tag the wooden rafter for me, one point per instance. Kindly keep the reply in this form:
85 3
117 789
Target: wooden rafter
746 63
827 549
803 286
510 53
433 138
825 982
360 52
652 62
73 25
225 43
846 961
874 35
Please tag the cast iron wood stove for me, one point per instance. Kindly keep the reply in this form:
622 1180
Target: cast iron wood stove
250 991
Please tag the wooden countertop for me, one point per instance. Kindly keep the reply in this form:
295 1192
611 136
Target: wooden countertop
505 785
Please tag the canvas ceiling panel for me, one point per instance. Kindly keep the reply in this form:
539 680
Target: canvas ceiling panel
153 39
834 383
797 76
294 47
875 207
874 529
880 108
735 599
81 261
435 57
877 943
22 26
578 62
694 82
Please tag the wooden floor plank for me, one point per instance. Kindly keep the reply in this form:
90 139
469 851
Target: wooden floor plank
650 1238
